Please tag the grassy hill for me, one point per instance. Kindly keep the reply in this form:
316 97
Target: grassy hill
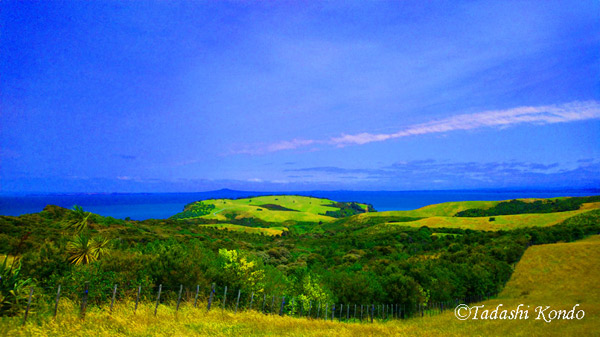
276 208
443 216
558 275
302 214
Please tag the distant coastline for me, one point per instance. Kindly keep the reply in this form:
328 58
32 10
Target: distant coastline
141 206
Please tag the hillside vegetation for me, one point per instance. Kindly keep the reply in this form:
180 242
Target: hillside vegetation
568 270
410 258
558 275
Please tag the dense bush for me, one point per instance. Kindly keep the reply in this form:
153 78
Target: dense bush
194 210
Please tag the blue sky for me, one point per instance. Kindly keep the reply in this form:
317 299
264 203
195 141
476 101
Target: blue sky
401 95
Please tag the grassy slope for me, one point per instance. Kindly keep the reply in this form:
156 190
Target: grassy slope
441 215
559 275
308 209
556 275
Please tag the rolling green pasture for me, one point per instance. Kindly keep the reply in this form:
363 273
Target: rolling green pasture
441 216
305 209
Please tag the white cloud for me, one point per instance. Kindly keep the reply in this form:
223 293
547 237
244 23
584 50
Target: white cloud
537 115
550 114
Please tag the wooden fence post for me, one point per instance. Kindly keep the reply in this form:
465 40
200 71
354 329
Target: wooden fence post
84 300
347 312
282 304
211 296
113 297
237 303
137 298
158 298
251 300
196 297
179 297
319 310
372 311
361 312
264 301
224 298
28 305
272 305
326 307
341 312
57 298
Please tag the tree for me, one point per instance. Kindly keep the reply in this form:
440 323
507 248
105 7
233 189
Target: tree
78 220
308 289
239 272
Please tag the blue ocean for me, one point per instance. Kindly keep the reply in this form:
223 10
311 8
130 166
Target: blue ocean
141 206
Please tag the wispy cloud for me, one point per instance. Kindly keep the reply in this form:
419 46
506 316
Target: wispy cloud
279 146
425 174
537 115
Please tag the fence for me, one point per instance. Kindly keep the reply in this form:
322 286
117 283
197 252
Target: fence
223 298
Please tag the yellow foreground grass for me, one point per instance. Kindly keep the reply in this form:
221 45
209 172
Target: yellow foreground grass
557 275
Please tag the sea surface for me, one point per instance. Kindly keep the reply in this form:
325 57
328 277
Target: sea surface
141 206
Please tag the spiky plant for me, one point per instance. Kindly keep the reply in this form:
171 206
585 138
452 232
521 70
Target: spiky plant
78 220
12 288
100 246
81 250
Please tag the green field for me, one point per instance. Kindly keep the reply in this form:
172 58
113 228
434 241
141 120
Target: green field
306 214
442 216
304 209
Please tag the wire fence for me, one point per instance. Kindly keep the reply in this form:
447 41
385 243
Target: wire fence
236 300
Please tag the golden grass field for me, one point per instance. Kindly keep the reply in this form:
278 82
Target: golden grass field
557 275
